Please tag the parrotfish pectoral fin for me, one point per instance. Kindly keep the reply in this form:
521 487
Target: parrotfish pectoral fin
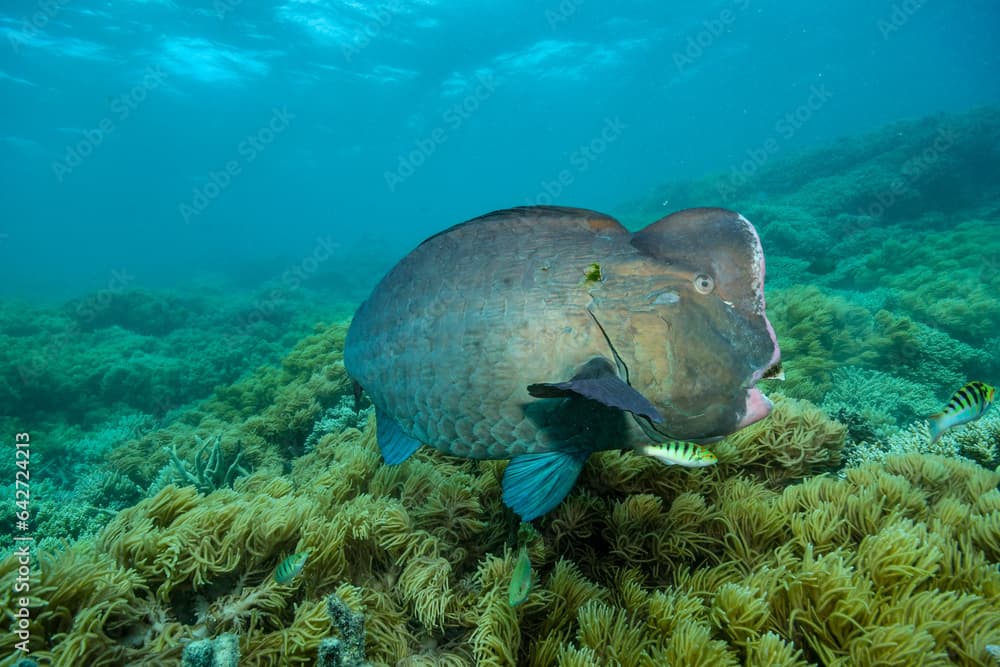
396 446
534 484
598 381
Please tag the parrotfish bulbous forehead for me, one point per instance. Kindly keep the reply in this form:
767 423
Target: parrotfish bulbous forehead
718 340
716 240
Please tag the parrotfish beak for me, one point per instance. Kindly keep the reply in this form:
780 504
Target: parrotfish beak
758 407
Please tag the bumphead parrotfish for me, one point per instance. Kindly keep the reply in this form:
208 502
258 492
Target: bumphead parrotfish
542 334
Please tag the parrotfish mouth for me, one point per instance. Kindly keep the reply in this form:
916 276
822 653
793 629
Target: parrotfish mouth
758 407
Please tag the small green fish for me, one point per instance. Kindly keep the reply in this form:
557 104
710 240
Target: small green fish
966 405
520 581
686 454
289 568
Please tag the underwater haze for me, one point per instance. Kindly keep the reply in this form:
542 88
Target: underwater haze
378 124
198 205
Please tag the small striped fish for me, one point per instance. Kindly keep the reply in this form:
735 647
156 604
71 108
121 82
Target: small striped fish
686 454
967 405
290 567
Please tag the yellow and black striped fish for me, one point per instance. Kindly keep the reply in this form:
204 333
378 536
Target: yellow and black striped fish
966 405
686 454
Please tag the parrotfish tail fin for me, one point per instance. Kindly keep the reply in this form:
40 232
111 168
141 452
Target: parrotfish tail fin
534 484
597 381
936 425
396 446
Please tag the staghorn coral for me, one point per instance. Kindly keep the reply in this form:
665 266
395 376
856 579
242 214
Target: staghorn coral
209 469
977 441
873 403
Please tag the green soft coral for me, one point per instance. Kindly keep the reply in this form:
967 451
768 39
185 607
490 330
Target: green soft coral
741 559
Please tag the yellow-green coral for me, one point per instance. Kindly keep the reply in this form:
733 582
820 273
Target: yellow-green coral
761 559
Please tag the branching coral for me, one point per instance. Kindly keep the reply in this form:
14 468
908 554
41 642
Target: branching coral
209 470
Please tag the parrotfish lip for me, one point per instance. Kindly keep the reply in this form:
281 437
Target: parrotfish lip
758 406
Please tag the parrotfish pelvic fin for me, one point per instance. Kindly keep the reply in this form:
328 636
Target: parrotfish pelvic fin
598 381
396 446
534 484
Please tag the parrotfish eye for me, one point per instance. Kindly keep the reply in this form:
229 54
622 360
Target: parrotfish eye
703 283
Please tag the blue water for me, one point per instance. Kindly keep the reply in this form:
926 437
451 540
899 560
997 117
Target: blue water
172 140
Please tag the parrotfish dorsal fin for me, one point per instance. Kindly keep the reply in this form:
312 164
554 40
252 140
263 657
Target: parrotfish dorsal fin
598 381
545 220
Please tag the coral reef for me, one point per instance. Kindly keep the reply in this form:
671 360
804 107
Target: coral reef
348 650
270 412
223 651
130 350
209 470
875 402
778 555
336 419
977 441
640 564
